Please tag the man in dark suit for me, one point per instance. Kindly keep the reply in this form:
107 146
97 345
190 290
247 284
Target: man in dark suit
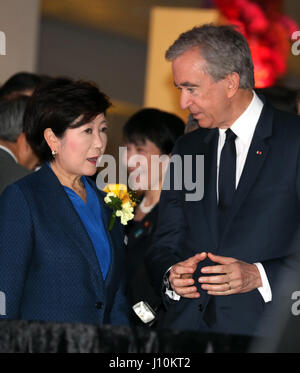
218 258
16 155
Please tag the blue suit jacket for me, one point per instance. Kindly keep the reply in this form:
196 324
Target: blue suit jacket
262 224
48 267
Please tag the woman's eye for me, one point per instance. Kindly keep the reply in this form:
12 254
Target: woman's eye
88 130
103 129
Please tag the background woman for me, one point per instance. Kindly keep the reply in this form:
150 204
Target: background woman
150 133
58 262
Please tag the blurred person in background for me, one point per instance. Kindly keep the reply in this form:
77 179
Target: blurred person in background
16 155
281 97
191 124
150 133
58 261
21 84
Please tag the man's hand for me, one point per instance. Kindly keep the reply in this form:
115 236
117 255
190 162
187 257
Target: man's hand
180 276
234 276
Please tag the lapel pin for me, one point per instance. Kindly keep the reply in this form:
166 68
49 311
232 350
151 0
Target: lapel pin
258 152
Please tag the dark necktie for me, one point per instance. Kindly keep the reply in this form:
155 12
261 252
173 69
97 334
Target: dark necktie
227 171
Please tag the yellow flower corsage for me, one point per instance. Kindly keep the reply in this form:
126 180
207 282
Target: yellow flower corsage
121 201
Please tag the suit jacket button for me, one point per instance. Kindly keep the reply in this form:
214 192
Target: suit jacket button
200 307
99 305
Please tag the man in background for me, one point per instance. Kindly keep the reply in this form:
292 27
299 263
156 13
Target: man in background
281 97
16 155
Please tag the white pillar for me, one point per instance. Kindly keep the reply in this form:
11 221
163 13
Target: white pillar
19 27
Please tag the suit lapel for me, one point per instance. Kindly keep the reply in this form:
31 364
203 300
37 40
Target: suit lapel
256 157
210 181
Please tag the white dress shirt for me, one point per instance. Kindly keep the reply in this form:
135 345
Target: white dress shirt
244 128
9 152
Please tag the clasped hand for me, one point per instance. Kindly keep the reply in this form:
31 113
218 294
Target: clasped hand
232 276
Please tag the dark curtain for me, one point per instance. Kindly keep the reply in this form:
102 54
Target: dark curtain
42 337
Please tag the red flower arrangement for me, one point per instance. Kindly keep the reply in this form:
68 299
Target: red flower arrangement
267 31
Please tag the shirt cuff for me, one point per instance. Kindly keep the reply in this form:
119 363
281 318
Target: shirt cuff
265 289
168 290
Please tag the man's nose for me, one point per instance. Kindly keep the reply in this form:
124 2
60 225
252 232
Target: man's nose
184 100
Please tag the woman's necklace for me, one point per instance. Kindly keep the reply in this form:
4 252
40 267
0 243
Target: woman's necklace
145 209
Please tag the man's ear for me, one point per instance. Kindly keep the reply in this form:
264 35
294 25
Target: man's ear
51 139
19 146
232 84
21 140
22 146
24 153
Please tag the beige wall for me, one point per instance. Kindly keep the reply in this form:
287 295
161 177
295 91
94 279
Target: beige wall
165 26
19 21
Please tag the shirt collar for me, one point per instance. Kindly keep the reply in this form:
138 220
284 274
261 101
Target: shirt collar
244 126
9 152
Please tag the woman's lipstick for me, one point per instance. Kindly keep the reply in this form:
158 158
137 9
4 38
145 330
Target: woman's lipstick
93 160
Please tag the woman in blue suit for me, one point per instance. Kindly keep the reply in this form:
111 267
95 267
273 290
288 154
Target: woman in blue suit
58 261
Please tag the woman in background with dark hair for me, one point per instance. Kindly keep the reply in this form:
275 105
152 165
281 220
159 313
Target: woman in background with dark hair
149 134
58 261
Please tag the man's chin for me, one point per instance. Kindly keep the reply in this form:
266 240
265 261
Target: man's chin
200 120
204 124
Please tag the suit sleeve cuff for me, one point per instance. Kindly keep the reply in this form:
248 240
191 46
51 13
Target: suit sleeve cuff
265 289
168 290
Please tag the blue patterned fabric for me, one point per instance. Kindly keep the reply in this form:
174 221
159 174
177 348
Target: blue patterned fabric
49 270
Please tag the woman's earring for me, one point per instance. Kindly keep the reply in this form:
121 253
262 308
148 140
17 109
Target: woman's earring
54 153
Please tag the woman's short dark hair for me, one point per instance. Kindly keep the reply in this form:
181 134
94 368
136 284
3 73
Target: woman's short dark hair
56 105
160 127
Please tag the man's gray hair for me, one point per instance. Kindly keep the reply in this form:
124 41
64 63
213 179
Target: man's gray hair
11 117
224 50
